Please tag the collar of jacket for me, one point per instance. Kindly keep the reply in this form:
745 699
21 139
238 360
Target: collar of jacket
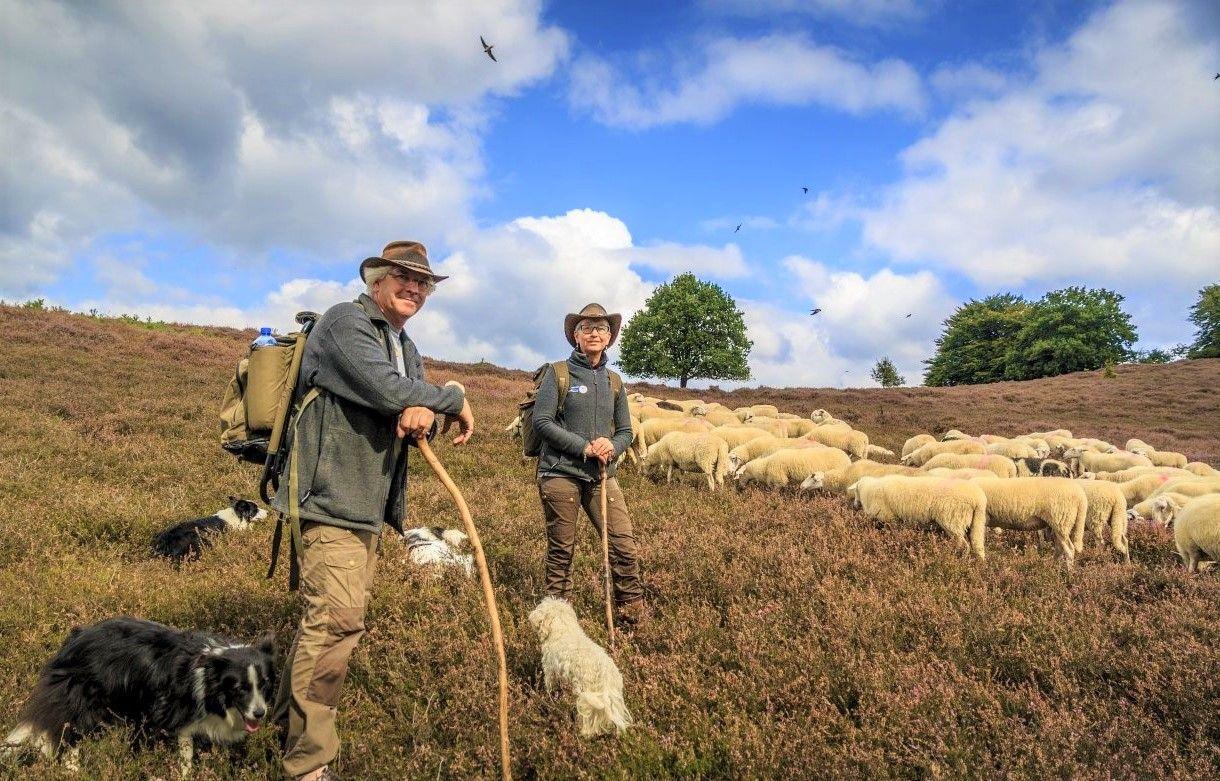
371 309
580 359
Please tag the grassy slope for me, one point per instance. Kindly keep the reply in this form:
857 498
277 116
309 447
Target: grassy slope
792 637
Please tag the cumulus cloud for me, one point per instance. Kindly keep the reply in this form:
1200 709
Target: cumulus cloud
300 127
781 69
1103 167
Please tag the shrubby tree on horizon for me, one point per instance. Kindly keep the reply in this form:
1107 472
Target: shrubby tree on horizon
1006 337
886 374
1205 314
688 329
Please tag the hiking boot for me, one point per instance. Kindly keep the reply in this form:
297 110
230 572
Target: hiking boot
632 614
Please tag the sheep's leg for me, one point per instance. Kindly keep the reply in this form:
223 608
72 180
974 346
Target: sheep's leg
1067 549
669 473
1078 534
186 754
711 480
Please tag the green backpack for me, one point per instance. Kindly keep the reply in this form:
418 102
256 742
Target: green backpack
531 443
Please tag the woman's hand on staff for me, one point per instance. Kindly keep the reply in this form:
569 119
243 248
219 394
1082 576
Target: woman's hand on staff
601 448
415 422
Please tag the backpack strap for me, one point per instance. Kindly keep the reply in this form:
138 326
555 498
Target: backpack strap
563 379
294 509
616 384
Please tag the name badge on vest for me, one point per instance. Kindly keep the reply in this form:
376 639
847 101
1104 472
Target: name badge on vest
579 389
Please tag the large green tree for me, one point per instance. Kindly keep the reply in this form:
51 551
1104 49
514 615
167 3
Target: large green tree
1205 314
1069 330
886 374
972 347
688 329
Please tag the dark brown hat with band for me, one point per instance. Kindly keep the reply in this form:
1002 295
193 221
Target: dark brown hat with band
592 312
410 255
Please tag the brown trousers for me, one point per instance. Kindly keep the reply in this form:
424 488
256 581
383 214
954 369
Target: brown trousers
562 499
337 568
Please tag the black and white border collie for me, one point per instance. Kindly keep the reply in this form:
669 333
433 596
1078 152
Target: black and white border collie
186 540
438 547
162 682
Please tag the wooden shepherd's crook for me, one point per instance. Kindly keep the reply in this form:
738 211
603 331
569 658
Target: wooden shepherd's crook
489 597
606 562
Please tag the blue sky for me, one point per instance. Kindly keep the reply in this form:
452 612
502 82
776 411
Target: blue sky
205 163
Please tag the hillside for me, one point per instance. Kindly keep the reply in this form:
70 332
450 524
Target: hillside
791 637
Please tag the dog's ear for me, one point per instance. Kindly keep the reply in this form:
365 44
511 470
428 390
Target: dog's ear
266 644
234 499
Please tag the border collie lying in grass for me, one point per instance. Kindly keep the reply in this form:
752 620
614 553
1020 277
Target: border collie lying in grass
163 682
186 540
437 545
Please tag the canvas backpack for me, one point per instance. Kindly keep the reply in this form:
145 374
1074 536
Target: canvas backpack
531 443
258 401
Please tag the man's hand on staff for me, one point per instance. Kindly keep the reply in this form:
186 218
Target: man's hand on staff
415 422
601 448
465 421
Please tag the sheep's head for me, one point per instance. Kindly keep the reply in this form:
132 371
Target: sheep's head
853 491
814 482
698 411
514 429
1139 450
818 415
953 434
1073 452
1088 475
735 462
1164 509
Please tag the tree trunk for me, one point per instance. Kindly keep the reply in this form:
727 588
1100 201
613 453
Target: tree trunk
682 381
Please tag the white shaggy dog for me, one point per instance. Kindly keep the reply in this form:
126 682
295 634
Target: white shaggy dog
570 658
438 546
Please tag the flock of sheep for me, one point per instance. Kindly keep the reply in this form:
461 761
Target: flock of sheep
1046 481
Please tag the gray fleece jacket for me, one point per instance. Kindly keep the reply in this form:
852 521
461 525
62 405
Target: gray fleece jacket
589 412
350 464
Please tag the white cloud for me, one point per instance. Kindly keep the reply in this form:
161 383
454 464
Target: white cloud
785 70
701 260
1103 168
862 12
302 127
968 80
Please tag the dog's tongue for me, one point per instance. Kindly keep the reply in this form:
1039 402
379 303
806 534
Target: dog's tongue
252 726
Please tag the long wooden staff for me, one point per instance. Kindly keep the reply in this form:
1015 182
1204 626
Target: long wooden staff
606 562
489 597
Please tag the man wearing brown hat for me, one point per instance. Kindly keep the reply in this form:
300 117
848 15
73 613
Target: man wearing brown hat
581 434
363 397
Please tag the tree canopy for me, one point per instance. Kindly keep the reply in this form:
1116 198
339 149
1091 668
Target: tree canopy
687 329
972 347
1205 314
886 374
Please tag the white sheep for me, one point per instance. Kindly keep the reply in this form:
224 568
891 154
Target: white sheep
1162 457
821 417
737 435
1192 487
514 429
789 416
798 427
765 410
1134 443
1201 469
755 448
1107 505
1197 531
717 417
964 473
1082 460
837 480
790 466
687 404
650 411
849 441
876 451
773 426
953 434
743 413
916 442
1142 487
1059 432
1011 449
923 454
653 429
1001 466
957 506
1032 503
702 453
1123 475
1160 509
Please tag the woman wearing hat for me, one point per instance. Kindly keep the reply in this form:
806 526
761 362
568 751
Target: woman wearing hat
363 397
590 431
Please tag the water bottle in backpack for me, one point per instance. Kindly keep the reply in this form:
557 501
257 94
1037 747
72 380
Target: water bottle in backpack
264 339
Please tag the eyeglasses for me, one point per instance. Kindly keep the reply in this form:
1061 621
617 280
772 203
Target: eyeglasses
595 329
422 282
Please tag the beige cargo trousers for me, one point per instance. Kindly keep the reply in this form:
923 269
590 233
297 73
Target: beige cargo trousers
337 568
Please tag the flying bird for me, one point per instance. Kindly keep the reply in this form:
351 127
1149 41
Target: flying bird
815 311
737 228
806 190
487 47
909 314
1217 76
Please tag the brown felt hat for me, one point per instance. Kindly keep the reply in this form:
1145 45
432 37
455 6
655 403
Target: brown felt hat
592 312
410 255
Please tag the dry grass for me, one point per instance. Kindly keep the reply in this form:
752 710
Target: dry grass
791 637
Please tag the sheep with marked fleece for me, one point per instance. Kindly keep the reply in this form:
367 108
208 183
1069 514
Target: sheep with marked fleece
738 435
764 446
1082 460
1162 457
1197 531
1107 506
1033 503
1159 509
1001 466
1123 475
790 466
1140 488
965 473
837 480
922 455
956 506
914 443
701 453
653 429
850 441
